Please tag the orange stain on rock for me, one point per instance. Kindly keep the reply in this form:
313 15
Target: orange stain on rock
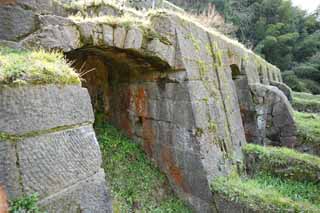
174 171
4 207
141 107
8 2
140 102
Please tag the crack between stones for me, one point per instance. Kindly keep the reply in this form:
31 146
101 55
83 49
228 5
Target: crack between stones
69 187
17 138
20 181
221 94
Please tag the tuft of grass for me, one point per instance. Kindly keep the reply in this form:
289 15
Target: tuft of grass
265 193
35 67
136 185
306 102
25 204
308 127
282 162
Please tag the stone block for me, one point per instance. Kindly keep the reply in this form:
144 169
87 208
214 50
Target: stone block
88 196
16 23
52 162
9 173
35 108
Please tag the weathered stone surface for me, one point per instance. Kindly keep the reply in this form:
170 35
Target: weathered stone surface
16 22
275 122
35 108
9 173
189 120
51 162
134 38
89 196
63 36
284 88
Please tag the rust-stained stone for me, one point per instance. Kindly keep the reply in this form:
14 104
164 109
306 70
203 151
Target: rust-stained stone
4 206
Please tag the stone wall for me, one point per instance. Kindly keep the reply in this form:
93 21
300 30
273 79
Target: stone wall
168 84
48 146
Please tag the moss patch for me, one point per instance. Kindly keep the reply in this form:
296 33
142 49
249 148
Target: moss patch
35 67
265 193
136 185
282 162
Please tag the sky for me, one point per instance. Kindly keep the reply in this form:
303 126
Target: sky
309 5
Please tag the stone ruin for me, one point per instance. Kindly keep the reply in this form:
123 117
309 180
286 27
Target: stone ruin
188 95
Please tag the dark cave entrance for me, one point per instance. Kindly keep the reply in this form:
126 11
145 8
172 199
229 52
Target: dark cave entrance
117 81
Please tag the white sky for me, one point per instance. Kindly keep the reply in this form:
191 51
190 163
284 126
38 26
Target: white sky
309 5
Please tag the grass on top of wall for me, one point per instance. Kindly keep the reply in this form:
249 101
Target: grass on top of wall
136 184
35 67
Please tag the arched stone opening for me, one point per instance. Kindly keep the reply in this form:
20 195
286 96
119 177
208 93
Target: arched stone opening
117 80
235 71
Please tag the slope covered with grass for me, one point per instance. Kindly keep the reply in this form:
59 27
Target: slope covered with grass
305 102
308 127
276 180
136 184
265 193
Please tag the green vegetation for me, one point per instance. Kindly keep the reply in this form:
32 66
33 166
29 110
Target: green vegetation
268 193
282 162
35 67
25 204
306 102
135 183
308 127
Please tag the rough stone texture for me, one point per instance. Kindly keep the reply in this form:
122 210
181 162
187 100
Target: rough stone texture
51 148
71 156
9 173
88 196
284 88
16 22
28 109
274 116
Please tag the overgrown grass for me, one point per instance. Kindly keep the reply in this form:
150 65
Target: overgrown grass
35 67
282 162
308 127
137 186
305 102
269 194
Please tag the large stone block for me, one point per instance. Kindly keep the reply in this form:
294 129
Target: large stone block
34 108
9 173
15 22
52 162
87 196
